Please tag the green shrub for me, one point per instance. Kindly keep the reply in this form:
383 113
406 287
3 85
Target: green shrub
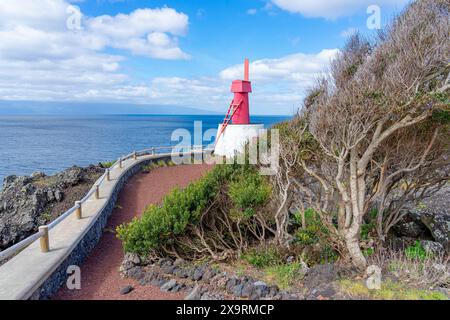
107 164
314 229
366 230
416 251
368 252
284 275
328 254
249 192
263 257
160 225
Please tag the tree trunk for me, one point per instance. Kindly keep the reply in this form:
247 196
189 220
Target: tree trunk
352 244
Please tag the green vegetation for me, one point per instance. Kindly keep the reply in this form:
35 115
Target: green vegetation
284 275
47 215
157 164
249 192
368 252
269 261
107 164
314 235
389 291
263 257
416 251
313 229
183 209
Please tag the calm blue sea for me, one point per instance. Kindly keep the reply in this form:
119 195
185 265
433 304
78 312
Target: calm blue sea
53 143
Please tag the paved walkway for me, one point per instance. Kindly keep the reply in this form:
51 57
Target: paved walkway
100 278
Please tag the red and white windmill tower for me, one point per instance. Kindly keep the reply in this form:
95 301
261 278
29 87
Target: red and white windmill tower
236 129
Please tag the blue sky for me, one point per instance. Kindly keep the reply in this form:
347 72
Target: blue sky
174 52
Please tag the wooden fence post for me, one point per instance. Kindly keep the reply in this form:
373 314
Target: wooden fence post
97 192
44 240
78 211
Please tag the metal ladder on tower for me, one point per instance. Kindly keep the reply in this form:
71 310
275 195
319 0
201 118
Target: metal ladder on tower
231 110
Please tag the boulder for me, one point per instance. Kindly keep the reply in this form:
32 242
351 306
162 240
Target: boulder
126 290
231 284
260 290
195 294
211 296
169 285
434 213
198 273
432 247
247 289
439 225
237 290
319 274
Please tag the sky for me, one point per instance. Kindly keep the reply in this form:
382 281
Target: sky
176 52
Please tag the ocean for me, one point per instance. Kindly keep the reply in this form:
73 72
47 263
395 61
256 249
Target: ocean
53 143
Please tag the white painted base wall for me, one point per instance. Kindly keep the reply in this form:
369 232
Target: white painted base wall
234 138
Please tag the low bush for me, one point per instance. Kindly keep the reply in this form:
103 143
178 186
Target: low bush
314 237
417 252
312 228
107 164
196 221
158 164
263 257
284 275
249 192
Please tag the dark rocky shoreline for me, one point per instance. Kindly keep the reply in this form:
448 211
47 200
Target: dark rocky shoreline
26 202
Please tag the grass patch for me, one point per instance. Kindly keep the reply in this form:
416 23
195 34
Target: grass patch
389 291
158 164
107 164
262 257
46 216
416 251
284 275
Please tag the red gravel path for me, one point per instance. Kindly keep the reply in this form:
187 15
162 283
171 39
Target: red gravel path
100 279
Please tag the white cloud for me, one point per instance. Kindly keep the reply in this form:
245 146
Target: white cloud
332 9
291 67
252 11
41 59
41 14
37 28
140 22
145 32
